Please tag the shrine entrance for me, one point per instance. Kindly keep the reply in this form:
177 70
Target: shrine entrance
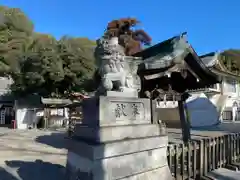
170 70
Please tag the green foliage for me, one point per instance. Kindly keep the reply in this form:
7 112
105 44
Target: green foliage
15 37
55 68
41 67
38 63
78 62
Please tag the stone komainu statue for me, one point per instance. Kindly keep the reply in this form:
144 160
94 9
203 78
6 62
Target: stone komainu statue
117 71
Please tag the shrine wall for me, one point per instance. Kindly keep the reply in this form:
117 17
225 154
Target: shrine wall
170 116
197 105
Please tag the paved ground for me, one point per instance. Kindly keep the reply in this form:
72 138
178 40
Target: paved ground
41 155
31 155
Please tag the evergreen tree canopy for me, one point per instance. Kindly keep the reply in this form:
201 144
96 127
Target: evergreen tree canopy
15 38
40 64
55 68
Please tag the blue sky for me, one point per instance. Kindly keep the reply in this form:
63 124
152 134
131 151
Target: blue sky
211 25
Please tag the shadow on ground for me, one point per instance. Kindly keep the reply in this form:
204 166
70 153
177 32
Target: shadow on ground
4 175
56 140
37 170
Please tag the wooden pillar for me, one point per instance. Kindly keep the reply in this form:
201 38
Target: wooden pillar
185 124
70 121
154 117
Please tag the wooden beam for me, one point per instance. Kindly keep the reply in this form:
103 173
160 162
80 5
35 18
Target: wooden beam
185 124
55 101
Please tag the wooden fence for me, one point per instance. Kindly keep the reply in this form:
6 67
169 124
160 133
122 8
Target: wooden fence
195 159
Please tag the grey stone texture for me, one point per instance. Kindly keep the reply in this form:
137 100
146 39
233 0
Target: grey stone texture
137 158
113 111
118 72
123 166
116 148
117 141
116 133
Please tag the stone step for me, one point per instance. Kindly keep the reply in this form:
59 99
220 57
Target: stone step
224 174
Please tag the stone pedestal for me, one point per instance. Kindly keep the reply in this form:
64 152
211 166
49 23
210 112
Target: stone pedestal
117 141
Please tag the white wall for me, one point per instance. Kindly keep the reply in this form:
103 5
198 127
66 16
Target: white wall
25 117
22 118
202 111
227 87
232 96
227 92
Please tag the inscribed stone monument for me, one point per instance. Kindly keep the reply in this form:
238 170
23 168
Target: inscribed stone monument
116 139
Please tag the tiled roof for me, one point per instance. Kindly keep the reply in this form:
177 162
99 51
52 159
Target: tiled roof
166 54
164 47
209 59
216 66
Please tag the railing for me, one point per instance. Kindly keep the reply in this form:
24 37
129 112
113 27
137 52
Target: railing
195 159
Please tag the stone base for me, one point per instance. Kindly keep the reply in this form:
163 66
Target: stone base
132 152
163 173
117 141
136 159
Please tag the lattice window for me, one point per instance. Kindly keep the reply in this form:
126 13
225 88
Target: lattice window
231 86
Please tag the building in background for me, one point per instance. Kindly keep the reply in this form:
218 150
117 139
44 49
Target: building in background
28 111
6 102
223 96
170 72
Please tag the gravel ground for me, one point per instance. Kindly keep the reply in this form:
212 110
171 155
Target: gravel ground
41 155
32 155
